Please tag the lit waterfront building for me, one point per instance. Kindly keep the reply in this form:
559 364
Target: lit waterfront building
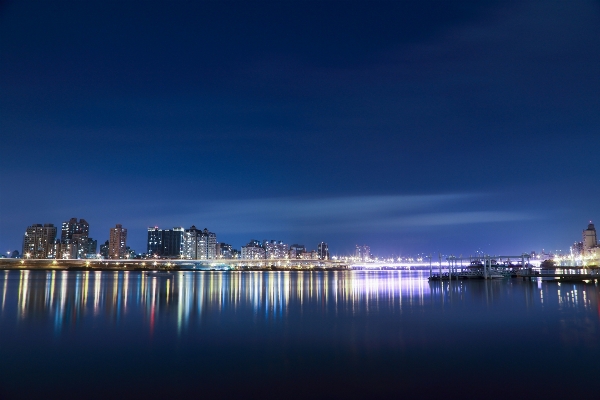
190 243
310 255
226 251
117 242
207 245
166 242
590 240
253 250
73 227
74 241
323 251
211 246
172 242
577 249
363 253
275 249
199 244
297 251
154 244
104 249
130 253
63 249
38 241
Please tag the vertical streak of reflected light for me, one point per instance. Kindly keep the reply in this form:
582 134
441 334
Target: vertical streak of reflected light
125 288
60 312
4 289
115 289
47 291
20 295
179 304
52 286
152 306
97 277
168 290
200 293
86 282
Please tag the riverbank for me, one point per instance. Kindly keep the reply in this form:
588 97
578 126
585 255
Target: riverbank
164 265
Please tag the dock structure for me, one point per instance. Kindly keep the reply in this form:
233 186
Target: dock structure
483 267
561 274
499 267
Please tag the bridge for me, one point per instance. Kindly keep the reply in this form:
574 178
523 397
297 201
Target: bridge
451 264
216 264
181 264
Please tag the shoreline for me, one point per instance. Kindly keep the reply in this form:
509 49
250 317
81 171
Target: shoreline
163 265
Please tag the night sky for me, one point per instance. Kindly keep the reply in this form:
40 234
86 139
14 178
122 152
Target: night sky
411 127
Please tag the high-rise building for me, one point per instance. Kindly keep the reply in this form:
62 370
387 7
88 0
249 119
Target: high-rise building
253 251
363 253
63 249
297 251
323 251
104 249
73 227
190 243
577 249
206 245
211 250
173 242
86 248
75 241
38 241
590 240
166 242
275 249
155 245
226 251
117 242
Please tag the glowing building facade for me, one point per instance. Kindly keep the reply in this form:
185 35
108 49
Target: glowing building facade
589 239
38 241
253 251
275 249
117 242
323 251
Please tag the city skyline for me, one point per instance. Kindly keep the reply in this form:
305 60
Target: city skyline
40 241
407 126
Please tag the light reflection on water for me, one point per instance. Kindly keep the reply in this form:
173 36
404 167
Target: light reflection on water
371 333
65 297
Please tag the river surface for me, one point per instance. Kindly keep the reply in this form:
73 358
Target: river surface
344 334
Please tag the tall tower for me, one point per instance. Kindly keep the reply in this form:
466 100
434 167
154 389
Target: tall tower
363 253
589 238
74 227
323 251
155 241
117 242
75 241
38 241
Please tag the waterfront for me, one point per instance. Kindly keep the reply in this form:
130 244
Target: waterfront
294 334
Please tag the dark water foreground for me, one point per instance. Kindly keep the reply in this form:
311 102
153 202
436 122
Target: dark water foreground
352 334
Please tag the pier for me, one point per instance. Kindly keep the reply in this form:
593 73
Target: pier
500 267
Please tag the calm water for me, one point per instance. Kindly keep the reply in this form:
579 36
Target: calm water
352 334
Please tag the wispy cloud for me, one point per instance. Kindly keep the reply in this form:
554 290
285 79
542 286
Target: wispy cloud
343 214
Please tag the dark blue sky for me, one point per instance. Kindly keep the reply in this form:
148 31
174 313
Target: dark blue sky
418 126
